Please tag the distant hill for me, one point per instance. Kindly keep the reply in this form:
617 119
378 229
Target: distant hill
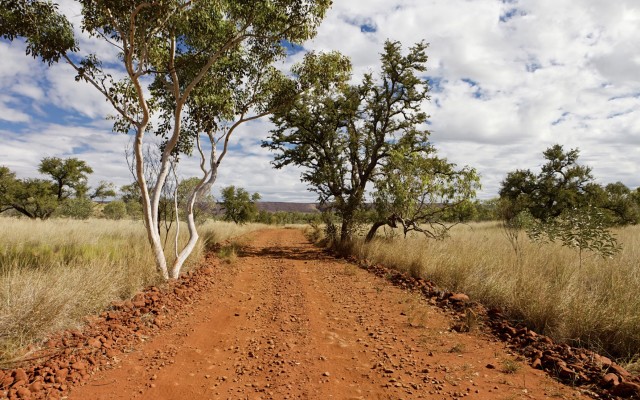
275 206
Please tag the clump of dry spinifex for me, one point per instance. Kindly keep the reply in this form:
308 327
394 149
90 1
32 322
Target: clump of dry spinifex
595 305
53 273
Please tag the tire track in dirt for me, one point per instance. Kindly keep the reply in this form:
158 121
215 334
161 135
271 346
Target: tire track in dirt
286 321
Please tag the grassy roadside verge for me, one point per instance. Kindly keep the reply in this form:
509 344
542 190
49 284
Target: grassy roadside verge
54 273
595 305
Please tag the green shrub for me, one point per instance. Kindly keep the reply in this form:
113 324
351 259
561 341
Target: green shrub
115 210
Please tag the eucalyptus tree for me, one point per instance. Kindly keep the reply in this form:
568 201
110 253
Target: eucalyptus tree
342 134
177 43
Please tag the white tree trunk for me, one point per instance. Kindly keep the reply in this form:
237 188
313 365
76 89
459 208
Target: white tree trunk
205 185
150 213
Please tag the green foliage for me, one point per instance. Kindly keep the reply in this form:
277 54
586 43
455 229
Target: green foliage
287 217
618 204
581 229
103 190
239 206
8 185
78 208
421 192
35 198
563 203
341 134
69 175
49 35
561 185
116 210
131 196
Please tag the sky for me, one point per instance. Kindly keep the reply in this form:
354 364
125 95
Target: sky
508 78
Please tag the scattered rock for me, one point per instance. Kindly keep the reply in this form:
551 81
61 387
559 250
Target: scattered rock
459 298
20 375
627 390
610 379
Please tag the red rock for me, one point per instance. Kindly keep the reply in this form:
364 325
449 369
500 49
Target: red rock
604 361
79 365
566 373
139 303
20 375
61 375
626 389
35 387
459 298
537 364
619 370
8 380
24 393
94 343
610 379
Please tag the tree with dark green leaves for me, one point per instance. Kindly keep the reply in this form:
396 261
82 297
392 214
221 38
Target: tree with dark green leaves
35 198
561 203
561 185
8 183
177 45
69 176
239 206
343 134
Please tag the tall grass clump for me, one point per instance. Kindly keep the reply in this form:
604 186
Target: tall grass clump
53 273
594 304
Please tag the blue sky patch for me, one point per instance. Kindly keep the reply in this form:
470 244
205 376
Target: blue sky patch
511 13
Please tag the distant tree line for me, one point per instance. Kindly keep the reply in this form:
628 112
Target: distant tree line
65 193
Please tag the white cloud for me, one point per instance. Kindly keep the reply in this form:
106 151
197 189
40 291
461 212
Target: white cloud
514 78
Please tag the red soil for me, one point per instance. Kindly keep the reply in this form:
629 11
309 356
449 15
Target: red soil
284 321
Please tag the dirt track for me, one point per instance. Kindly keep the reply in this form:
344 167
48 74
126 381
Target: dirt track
285 321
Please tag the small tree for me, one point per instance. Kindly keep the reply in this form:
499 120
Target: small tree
581 229
561 203
69 175
420 192
103 190
561 185
239 206
35 198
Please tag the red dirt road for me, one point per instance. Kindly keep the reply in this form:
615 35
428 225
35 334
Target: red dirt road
285 321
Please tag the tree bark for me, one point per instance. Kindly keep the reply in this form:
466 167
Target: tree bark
373 230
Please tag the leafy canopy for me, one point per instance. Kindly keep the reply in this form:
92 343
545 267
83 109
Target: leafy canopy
239 206
341 134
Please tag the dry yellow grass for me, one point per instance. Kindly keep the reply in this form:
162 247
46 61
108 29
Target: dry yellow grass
53 273
596 305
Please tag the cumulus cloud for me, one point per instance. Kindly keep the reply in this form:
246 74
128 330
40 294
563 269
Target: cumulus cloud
511 78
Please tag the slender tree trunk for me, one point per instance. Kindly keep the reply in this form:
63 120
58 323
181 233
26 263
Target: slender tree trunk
205 185
373 230
150 214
